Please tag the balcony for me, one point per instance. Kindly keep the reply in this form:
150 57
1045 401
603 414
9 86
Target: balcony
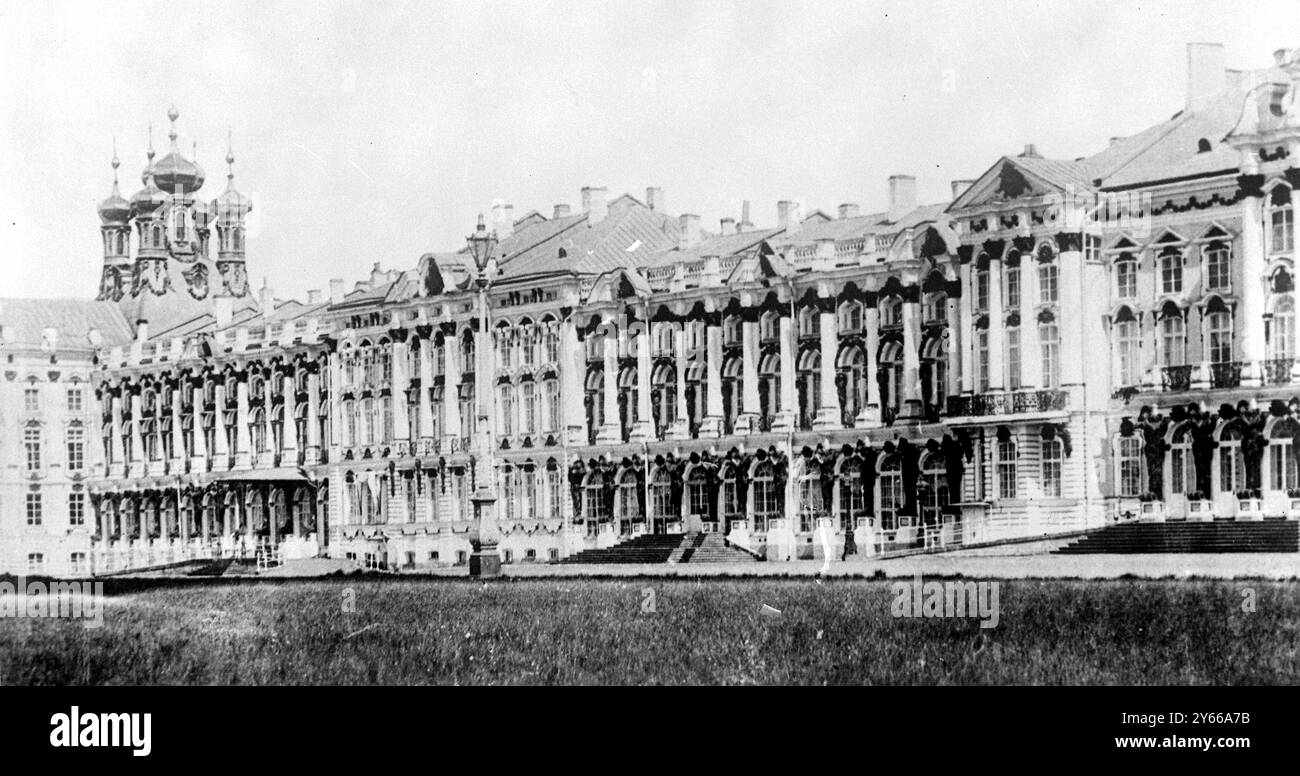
1225 374
1007 403
1176 378
1277 371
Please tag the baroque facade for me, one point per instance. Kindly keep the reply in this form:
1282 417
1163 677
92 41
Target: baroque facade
1066 342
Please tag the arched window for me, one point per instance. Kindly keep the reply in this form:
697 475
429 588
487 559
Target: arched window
697 494
552 340
769 389
1281 221
766 506
981 287
257 428
661 498
1128 455
1232 464
852 499
1173 340
595 401
850 316
594 507
733 382
852 370
891 312
933 493
733 511
810 324
935 308
1011 286
891 379
664 398
629 501
810 386
1282 471
731 330
810 495
769 326
628 399
1049 341
890 498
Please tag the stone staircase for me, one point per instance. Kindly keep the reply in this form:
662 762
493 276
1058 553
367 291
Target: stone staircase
667 548
1219 536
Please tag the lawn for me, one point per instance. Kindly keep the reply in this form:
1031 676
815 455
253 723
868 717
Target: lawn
574 632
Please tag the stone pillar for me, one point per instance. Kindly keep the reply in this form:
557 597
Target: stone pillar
681 427
451 388
610 431
911 407
119 455
268 452
869 417
336 407
311 454
401 382
426 385
1253 265
967 328
997 327
1075 371
956 345
785 417
200 444
178 433
749 353
1031 358
137 443
573 373
243 444
712 425
221 445
289 445
828 414
644 428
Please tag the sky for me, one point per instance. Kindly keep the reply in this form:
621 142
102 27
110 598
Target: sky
372 132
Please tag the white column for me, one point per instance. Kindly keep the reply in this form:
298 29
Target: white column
401 382
573 374
869 417
119 456
997 327
749 354
1031 360
200 444
712 425
137 443
289 445
221 446
956 345
312 453
967 343
1076 372
242 441
1252 293
911 407
178 434
611 430
451 389
644 428
785 417
828 414
335 408
426 385
681 428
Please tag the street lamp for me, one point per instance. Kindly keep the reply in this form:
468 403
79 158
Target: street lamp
484 561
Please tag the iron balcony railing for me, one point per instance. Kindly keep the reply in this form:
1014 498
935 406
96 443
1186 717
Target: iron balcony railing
1007 403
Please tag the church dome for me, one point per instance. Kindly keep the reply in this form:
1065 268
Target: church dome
231 206
149 199
115 209
174 173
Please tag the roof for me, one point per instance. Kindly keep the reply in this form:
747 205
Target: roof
26 320
628 236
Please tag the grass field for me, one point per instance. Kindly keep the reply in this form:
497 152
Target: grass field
570 631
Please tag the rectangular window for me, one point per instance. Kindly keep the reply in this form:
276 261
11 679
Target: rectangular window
1013 288
1013 359
1007 487
1282 235
32 448
1051 459
1126 279
32 399
552 388
74 399
35 563
1171 272
982 289
528 420
34 507
1218 259
1050 342
76 508
1091 248
982 360
77 562
1047 291
76 449
1130 466
1282 466
1219 341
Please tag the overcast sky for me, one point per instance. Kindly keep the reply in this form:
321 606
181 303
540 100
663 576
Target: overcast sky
373 132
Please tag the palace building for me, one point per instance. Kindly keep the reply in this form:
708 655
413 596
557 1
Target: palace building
1066 343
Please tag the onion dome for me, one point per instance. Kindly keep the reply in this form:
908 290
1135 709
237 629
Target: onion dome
174 173
149 199
231 206
115 209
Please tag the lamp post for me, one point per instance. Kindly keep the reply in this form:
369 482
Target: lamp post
484 561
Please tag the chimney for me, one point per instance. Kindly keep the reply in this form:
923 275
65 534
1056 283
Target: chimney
561 211
689 234
593 203
849 210
314 296
1031 151
745 224
902 196
141 330
377 276
959 187
223 310
787 215
728 226
336 290
266 300
654 198
503 219
1206 73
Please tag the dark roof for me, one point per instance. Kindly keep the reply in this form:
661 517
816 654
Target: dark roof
26 320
